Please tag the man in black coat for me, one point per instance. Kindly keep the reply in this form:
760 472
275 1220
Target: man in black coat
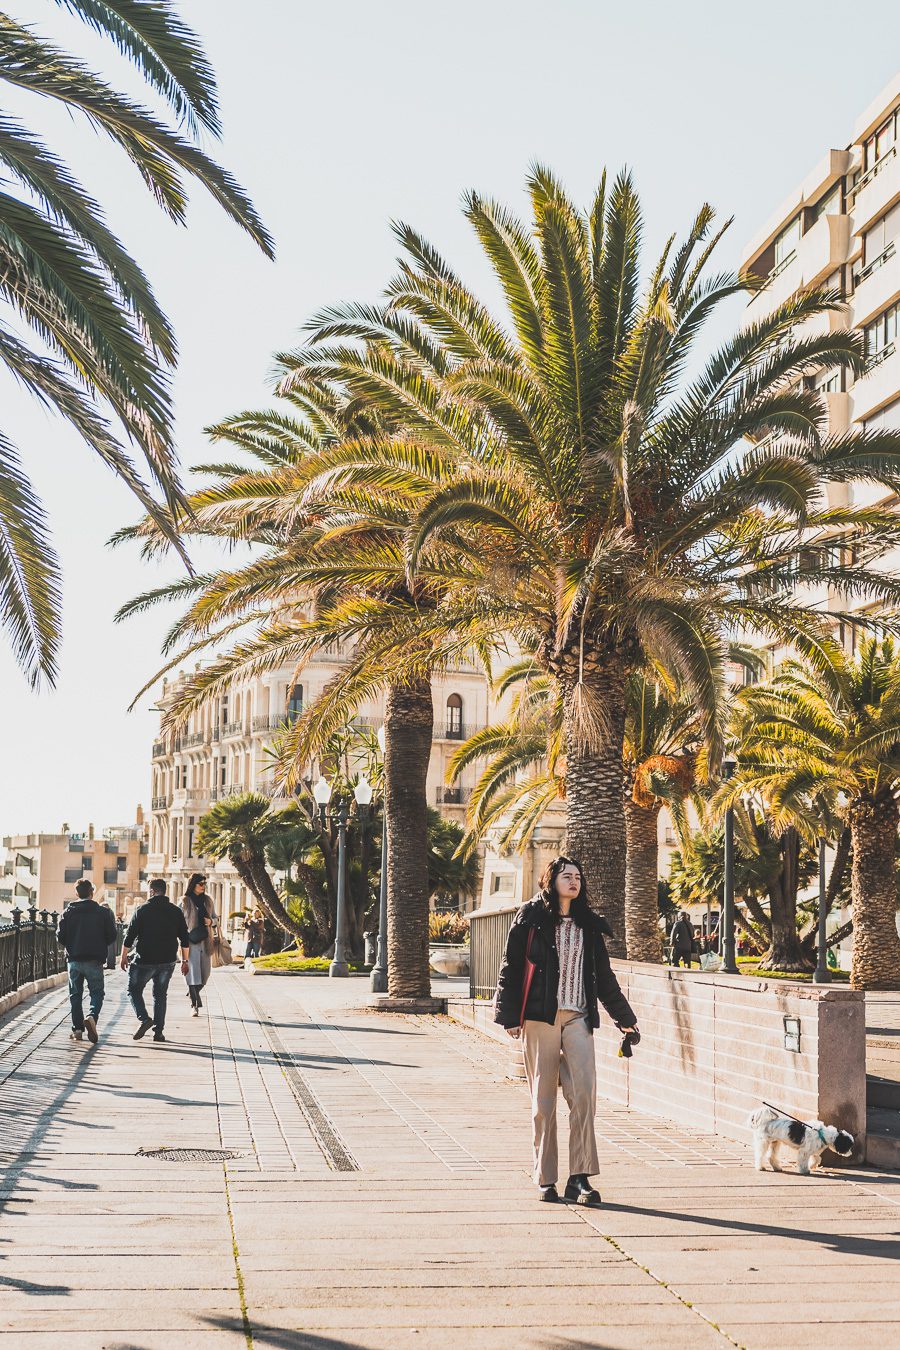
156 931
682 940
86 929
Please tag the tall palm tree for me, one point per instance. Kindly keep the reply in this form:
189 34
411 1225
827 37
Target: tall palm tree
241 828
834 729
608 502
100 346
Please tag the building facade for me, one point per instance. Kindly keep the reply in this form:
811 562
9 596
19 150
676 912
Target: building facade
840 228
41 870
227 748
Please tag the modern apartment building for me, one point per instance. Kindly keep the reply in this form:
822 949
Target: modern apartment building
226 748
42 869
840 228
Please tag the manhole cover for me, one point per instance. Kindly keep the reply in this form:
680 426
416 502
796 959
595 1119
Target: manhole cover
189 1155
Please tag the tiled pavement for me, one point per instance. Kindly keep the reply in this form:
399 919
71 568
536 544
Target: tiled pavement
379 1197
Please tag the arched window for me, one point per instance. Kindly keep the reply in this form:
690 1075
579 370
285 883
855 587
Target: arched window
454 718
295 701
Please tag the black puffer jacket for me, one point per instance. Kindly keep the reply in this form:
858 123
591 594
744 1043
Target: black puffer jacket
599 981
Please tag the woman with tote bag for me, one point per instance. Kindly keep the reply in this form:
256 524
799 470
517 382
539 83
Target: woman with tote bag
555 971
202 927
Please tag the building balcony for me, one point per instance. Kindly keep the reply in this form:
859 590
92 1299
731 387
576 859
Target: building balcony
877 190
160 749
877 286
156 862
217 794
233 729
447 731
195 796
277 720
880 386
160 803
819 252
451 796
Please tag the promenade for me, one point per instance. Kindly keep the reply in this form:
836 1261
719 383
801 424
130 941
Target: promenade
377 1195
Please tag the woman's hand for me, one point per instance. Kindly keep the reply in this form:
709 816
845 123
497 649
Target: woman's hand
628 1029
515 1032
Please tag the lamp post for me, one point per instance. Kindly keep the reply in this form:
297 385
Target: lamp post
726 940
340 965
379 981
823 974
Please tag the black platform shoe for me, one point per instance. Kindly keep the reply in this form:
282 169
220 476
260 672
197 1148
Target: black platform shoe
549 1194
579 1191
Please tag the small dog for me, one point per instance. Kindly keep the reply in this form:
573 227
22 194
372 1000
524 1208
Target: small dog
772 1131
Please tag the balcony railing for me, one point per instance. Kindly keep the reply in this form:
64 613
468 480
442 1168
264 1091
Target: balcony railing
447 731
160 803
29 950
217 794
233 728
159 748
876 359
451 796
876 169
275 721
873 266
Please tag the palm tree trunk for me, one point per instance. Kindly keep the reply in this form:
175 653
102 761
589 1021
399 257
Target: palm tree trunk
644 942
785 951
593 690
876 946
408 725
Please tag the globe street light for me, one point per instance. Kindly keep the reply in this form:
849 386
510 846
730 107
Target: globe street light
340 965
379 981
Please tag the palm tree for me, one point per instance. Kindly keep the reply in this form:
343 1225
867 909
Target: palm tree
608 505
101 344
834 730
241 829
524 771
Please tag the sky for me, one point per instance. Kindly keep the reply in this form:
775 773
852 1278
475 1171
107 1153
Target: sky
341 116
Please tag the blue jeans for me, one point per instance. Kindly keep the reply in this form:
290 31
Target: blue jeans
139 976
81 973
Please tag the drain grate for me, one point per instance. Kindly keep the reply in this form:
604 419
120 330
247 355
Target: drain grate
189 1155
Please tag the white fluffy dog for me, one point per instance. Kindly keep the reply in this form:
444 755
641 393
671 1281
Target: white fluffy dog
773 1131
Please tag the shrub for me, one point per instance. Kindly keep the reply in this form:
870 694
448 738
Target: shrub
450 926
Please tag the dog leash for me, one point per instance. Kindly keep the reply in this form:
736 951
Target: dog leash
805 1123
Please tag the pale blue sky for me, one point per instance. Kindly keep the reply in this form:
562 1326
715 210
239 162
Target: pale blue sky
339 116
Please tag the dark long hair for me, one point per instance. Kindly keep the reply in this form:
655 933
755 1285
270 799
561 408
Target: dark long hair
191 892
580 908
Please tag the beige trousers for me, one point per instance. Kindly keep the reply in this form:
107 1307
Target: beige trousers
554 1055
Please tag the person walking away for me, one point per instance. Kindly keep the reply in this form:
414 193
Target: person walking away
156 932
111 953
555 971
200 922
682 940
253 927
86 930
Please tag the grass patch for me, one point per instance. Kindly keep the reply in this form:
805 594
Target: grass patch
750 966
300 965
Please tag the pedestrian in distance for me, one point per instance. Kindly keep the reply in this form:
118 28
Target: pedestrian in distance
555 972
86 930
682 940
155 934
254 926
200 921
111 953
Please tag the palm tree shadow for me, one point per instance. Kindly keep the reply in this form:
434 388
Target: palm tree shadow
279 1338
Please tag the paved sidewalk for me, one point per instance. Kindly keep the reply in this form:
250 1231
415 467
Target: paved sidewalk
379 1197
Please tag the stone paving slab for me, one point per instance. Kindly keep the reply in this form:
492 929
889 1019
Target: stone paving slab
380 1198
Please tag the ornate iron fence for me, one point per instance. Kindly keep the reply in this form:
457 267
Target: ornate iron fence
488 931
29 949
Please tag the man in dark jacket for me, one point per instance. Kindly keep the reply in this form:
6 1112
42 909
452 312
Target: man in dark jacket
682 940
86 930
156 931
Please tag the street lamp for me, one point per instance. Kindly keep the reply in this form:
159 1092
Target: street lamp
726 923
823 974
379 981
340 965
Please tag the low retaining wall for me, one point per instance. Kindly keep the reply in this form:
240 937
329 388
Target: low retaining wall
714 1046
25 991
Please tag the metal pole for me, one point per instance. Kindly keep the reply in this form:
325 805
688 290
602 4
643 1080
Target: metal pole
340 966
379 970
729 964
823 974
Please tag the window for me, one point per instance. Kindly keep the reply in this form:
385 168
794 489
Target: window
295 701
786 243
828 381
503 883
454 717
829 205
882 333
878 240
87 862
881 142
121 863
887 419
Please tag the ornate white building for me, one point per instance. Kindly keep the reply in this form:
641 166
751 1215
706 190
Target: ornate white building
224 751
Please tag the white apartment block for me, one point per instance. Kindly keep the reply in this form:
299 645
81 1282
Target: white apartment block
840 228
226 749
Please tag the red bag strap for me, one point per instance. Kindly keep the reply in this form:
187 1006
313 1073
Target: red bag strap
528 976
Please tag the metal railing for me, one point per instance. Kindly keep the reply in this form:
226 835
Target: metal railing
875 170
29 950
235 728
488 931
217 794
883 257
160 803
159 748
879 357
447 731
451 796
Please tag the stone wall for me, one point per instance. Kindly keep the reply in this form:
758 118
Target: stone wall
713 1047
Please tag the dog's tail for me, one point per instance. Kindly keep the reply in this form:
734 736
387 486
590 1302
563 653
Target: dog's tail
761 1116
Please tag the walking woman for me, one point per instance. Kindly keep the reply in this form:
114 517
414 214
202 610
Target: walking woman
555 970
200 920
